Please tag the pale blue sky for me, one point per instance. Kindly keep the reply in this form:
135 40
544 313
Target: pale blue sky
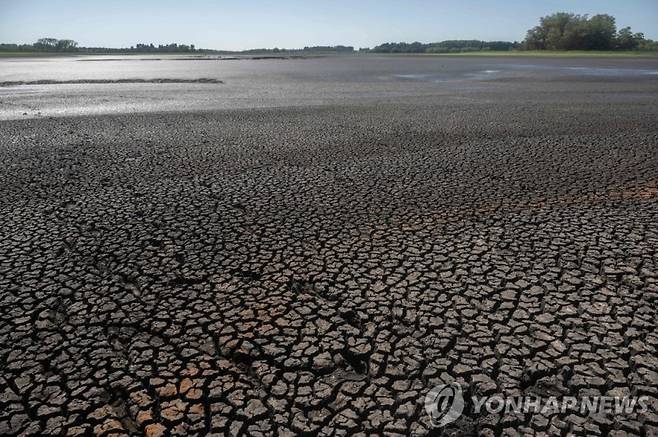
295 23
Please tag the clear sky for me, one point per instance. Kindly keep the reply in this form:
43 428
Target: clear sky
242 24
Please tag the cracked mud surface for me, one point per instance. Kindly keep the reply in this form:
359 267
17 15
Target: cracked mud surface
318 270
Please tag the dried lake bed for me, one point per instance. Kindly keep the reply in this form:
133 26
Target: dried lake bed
309 245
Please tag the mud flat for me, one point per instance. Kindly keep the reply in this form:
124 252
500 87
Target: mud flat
318 268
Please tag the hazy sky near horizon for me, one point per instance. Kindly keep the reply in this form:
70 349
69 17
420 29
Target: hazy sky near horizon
237 25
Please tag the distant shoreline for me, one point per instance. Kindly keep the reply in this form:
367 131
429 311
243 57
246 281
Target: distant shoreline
296 54
539 54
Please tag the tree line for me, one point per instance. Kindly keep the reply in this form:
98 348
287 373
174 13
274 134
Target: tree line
564 31
449 46
43 45
169 48
70 46
559 31
307 49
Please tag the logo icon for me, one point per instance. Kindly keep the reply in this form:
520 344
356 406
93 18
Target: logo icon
444 404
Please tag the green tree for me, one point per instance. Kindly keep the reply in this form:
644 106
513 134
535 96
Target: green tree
627 40
46 44
66 45
599 33
564 31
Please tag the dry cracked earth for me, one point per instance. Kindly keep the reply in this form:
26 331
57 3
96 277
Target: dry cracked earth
315 271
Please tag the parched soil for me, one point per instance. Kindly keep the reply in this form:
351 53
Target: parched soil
317 270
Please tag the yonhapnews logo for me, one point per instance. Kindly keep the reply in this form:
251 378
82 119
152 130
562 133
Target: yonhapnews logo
445 404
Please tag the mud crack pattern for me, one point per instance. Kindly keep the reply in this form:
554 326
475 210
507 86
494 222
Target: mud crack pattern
318 270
